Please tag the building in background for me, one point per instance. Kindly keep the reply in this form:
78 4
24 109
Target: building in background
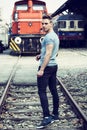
3 33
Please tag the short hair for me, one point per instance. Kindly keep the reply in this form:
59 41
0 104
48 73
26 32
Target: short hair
47 17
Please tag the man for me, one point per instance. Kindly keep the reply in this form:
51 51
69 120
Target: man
46 74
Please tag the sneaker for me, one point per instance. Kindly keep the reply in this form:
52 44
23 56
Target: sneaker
55 117
46 121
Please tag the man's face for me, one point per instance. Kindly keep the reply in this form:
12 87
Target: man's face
46 25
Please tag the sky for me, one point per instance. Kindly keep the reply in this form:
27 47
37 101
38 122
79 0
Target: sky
7 6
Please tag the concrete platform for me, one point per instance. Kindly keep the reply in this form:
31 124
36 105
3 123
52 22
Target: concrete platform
26 73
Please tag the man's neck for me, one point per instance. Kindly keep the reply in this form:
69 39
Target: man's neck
49 31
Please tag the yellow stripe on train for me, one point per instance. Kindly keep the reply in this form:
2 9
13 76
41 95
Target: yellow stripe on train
15 45
12 47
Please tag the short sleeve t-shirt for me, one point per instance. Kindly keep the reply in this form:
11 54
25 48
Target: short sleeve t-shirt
50 38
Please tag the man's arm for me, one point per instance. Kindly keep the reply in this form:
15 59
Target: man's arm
49 49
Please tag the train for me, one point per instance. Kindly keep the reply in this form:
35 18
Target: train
26 27
71 29
4 28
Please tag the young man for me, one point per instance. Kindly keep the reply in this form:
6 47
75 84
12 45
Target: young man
46 75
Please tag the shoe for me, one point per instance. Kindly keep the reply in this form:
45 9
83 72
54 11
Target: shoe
46 121
55 117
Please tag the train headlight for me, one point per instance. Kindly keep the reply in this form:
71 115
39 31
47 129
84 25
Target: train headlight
41 39
18 40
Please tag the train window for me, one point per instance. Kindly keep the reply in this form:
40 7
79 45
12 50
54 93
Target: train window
38 7
21 7
80 24
61 24
71 24
15 16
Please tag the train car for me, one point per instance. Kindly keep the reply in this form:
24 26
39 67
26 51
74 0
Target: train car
3 35
26 30
70 28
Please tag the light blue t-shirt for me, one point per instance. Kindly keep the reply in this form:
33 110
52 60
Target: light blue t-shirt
50 38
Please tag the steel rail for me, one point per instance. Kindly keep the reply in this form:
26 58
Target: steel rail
4 95
78 111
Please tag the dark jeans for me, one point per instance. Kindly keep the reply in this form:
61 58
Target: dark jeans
48 79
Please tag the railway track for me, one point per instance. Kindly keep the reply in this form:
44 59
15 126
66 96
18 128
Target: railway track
78 92
75 102
20 108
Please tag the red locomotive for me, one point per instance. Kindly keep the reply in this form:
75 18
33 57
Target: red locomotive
26 30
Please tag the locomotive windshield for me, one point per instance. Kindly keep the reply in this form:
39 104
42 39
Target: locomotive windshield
21 7
25 7
38 7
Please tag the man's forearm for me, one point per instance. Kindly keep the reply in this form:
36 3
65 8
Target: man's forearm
45 62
